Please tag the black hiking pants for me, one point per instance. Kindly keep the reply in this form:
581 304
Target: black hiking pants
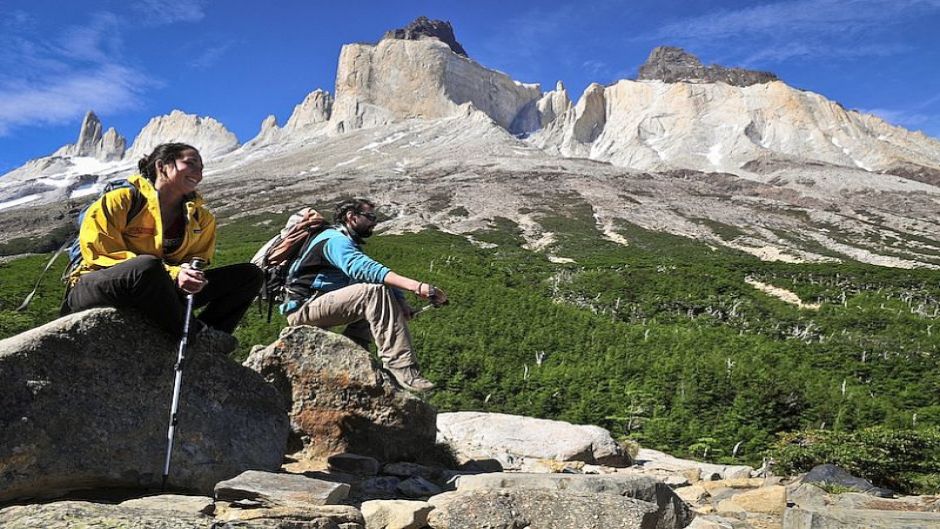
142 283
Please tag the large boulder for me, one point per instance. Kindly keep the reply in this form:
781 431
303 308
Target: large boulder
513 439
339 401
832 475
86 402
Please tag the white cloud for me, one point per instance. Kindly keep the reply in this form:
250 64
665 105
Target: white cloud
159 12
110 88
54 77
785 30
208 56
99 41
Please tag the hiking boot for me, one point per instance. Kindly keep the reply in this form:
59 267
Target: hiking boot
410 379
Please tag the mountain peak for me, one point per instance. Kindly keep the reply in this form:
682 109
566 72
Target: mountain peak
422 27
672 65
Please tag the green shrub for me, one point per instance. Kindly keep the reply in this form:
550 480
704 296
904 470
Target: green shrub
903 460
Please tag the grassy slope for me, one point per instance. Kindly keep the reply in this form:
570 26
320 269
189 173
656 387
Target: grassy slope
661 340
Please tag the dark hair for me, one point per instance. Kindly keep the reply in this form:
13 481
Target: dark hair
166 153
339 214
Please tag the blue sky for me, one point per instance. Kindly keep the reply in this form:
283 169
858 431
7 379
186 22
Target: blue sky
239 61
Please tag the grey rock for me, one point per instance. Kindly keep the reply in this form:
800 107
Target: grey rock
395 514
340 402
86 405
353 464
510 439
406 470
654 460
511 509
418 487
173 502
835 518
277 489
833 475
422 27
672 65
380 487
671 510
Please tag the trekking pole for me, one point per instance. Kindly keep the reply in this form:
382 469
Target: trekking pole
196 264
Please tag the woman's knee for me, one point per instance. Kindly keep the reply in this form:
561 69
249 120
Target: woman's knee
147 264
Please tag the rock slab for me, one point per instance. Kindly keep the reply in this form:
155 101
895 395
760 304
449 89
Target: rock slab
512 439
671 512
272 489
86 402
340 402
539 509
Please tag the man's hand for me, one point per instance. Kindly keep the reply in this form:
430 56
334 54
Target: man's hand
190 280
437 296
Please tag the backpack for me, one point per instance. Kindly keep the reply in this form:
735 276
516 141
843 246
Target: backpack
72 245
276 256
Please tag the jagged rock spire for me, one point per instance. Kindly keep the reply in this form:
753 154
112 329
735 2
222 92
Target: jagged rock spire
422 27
89 135
672 65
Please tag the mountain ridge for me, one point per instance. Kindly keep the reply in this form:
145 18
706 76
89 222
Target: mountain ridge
413 112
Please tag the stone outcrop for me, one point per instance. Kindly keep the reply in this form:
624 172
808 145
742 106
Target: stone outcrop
86 403
313 110
206 134
422 28
340 402
269 133
674 65
111 147
88 136
653 125
828 475
91 142
511 439
405 79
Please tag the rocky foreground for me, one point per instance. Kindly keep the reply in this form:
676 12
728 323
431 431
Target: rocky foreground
84 422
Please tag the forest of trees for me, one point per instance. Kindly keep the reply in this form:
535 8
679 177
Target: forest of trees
661 341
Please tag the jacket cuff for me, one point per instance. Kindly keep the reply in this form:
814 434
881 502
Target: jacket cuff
174 271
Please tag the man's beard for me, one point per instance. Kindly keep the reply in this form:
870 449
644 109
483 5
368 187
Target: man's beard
364 233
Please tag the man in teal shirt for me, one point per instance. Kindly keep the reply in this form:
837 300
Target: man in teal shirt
332 282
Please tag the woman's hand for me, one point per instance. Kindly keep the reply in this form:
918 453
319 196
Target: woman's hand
190 280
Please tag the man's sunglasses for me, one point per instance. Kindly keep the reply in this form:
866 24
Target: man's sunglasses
369 215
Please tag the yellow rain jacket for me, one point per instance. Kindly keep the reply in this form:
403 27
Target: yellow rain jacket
107 238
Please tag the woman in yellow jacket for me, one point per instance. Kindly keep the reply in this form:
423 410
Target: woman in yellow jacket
141 259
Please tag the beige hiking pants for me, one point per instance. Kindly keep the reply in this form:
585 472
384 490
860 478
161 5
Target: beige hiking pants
370 311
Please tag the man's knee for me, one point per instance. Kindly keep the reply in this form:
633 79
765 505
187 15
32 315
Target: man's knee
375 290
